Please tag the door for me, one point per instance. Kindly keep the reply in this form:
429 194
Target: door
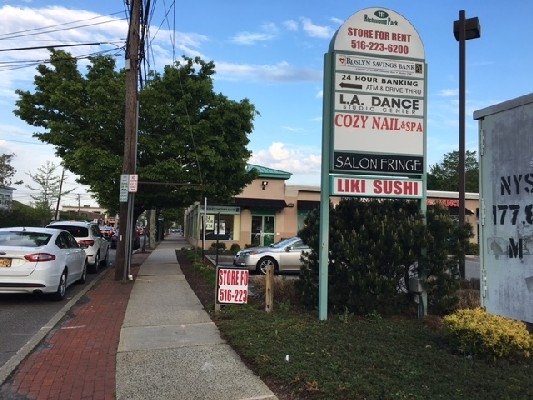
262 230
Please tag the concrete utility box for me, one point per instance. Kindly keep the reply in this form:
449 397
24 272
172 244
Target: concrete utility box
506 207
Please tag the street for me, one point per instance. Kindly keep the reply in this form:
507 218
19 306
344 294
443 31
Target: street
23 315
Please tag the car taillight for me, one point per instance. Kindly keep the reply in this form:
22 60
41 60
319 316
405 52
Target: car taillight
39 257
86 243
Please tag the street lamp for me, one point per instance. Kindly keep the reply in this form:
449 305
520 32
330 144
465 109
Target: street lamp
463 29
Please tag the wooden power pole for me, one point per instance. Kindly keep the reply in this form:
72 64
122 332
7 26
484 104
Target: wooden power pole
130 135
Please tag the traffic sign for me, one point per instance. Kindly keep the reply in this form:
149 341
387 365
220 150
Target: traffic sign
133 183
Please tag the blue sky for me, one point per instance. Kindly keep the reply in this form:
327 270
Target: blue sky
271 52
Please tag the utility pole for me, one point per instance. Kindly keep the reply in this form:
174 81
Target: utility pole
56 214
130 135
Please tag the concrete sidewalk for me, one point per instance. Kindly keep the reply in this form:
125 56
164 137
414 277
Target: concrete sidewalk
169 347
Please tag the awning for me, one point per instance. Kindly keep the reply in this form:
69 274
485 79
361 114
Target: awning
308 205
260 203
455 211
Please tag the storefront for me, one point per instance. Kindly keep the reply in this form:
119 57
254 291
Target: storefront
268 210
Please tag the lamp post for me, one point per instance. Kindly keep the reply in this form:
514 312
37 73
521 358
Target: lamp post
463 29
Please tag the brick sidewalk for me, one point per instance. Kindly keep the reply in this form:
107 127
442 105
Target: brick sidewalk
77 360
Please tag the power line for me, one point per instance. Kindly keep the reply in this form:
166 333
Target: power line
18 34
58 45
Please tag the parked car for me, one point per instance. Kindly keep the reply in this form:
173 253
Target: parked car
87 235
283 256
40 260
110 235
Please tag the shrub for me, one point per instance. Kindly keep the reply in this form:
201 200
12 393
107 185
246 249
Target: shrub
234 248
375 246
219 245
282 287
476 332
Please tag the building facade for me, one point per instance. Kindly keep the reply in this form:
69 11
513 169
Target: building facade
6 197
268 210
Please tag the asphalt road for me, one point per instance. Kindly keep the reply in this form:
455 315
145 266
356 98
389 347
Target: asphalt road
22 316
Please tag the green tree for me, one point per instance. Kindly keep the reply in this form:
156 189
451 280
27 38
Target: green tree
375 246
6 170
192 142
47 190
445 176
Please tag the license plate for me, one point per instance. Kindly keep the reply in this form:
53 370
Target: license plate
5 262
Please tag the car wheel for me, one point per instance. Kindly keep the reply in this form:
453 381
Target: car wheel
96 266
83 276
105 261
264 263
61 288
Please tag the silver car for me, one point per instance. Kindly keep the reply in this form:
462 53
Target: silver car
283 256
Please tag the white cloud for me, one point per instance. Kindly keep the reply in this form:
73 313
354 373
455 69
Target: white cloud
269 31
291 25
296 160
281 72
449 92
322 32
248 39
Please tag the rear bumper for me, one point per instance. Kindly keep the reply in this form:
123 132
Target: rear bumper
29 284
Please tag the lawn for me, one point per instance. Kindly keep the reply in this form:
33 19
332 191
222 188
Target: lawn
354 357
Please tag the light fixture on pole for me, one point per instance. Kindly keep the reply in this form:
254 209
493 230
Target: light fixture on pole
463 29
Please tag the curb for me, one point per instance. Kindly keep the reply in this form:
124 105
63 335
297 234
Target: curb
7 369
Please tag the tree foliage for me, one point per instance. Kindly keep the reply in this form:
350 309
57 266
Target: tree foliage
6 170
191 141
445 176
375 246
47 189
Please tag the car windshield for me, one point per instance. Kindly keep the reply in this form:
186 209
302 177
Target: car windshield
283 243
24 239
76 231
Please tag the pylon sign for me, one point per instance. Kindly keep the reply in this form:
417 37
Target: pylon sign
374 117
377 96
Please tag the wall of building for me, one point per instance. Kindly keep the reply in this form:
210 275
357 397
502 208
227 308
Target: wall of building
298 201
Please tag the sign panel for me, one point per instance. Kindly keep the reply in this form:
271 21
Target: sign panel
232 286
124 179
382 32
209 222
377 84
369 133
361 186
378 96
377 65
392 105
133 183
383 163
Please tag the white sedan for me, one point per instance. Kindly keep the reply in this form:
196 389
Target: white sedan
40 260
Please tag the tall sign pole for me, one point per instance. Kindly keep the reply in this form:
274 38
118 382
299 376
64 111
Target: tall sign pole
130 137
374 117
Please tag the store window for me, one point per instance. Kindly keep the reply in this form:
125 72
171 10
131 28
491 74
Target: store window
220 227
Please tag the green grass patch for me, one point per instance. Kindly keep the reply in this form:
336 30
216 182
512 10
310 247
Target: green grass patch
370 357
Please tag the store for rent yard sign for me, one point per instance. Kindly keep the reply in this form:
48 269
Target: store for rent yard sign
232 286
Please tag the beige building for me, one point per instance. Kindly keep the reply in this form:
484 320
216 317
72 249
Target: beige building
268 210
6 197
